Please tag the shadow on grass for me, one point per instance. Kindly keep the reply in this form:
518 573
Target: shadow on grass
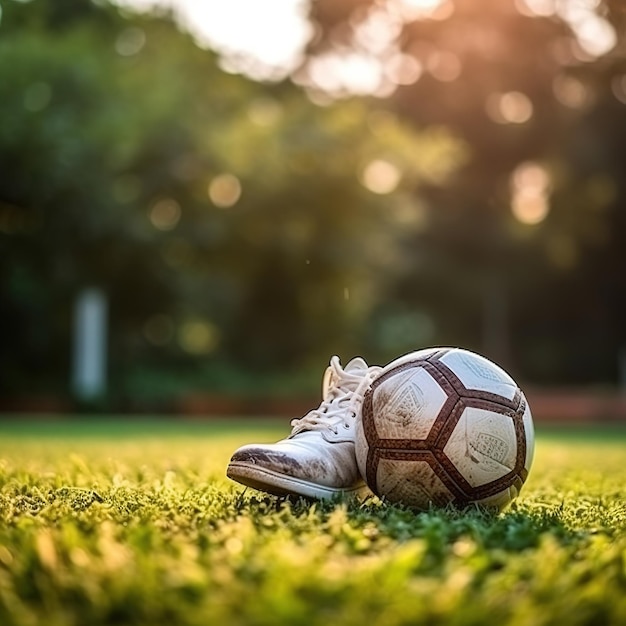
520 527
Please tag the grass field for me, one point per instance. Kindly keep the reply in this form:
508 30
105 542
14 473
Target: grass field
133 522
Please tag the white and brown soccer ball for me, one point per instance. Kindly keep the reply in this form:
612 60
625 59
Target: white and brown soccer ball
445 425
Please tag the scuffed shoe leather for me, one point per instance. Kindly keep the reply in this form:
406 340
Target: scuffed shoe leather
317 460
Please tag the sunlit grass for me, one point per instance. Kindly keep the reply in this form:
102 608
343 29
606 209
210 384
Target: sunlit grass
134 522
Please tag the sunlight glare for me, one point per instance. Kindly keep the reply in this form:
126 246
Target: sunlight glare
263 39
250 27
595 34
352 73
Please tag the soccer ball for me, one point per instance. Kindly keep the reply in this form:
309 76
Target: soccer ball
445 425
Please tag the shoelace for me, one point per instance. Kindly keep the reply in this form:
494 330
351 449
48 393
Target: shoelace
345 390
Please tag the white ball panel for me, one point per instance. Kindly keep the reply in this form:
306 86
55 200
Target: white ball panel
529 429
478 373
411 356
482 446
412 483
361 448
406 405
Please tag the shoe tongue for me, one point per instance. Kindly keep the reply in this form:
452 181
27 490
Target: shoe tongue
357 364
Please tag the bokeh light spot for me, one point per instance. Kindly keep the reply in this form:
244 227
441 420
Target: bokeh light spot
529 209
444 66
570 92
536 8
346 73
380 176
595 35
530 189
618 87
416 9
531 177
403 69
225 190
444 11
130 41
377 32
198 336
165 214
512 107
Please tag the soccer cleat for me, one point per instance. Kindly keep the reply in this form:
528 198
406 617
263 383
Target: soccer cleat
317 460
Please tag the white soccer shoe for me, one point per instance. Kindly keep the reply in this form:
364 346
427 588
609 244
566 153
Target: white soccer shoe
317 460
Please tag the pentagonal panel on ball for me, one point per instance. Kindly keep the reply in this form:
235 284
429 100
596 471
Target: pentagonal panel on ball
478 373
482 446
406 404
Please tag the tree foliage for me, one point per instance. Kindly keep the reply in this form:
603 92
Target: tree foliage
238 227
227 221
519 87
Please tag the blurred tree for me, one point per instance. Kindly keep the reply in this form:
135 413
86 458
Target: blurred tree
468 190
536 90
332 245
227 221
85 153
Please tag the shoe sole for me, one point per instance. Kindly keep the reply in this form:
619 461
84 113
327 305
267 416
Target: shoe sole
282 485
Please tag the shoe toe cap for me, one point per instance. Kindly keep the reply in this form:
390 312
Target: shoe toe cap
281 462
